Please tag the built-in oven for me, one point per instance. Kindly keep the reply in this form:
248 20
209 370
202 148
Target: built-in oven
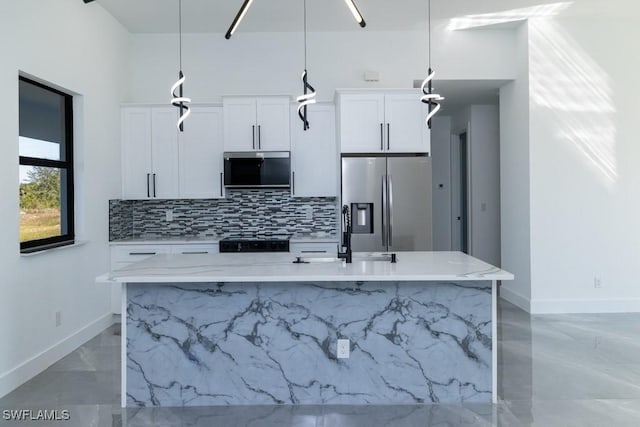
257 169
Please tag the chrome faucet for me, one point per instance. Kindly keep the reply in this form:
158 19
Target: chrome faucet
347 255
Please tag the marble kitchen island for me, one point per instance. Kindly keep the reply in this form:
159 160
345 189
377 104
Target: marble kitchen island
233 329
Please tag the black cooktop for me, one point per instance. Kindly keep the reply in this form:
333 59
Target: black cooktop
254 244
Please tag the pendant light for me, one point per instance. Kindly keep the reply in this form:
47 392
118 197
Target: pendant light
179 100
307 97
428 97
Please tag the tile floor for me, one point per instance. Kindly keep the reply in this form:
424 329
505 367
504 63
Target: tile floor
554 370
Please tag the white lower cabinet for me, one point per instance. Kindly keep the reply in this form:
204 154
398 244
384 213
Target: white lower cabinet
124 255
303 249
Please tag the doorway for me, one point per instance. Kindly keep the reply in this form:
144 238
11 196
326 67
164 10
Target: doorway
460 194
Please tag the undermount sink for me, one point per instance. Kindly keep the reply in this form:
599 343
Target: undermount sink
391 257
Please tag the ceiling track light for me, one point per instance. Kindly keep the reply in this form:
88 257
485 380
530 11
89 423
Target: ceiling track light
356 13
179 100
236 21
428 97
247 3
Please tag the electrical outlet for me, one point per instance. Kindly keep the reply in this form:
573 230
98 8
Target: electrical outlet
58 318
343 349
597 282
169 215
309 213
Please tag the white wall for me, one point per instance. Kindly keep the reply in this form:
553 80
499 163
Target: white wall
514 179
82 49
585 180
441 172
271 63
483 136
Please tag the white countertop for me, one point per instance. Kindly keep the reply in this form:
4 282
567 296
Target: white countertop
279 267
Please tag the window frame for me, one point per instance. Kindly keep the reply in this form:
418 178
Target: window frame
67 209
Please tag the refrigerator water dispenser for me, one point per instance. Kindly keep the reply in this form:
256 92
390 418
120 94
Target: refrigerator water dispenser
361 218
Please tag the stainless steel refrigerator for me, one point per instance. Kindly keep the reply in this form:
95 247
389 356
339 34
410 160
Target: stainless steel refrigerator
389 201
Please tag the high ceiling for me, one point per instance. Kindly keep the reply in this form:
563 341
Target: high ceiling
215 16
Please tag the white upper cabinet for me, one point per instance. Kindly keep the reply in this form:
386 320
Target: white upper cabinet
149 153
200 154
160 162
314 156
164 152
382 122
136 152
256 123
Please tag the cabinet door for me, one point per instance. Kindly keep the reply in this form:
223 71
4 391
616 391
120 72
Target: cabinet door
314 153
273 124
404 128
164 152
361 123
200 153
136 152
239 124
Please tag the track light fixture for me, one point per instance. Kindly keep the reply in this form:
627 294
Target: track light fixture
356 13
238 18
247 3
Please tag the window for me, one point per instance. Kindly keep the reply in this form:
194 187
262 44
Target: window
46 166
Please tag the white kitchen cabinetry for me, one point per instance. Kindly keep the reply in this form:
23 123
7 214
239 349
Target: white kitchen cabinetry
126 254
382 122
256 123
306 248
200 153
314 158
149 153
160 162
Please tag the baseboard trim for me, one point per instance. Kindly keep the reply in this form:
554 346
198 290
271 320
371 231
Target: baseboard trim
572 306
28 369
515 298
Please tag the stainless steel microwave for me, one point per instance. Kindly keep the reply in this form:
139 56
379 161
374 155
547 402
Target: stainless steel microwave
257 169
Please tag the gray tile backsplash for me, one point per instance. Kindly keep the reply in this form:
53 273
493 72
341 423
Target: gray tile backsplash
243 212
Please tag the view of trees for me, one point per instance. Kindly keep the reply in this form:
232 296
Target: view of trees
43 189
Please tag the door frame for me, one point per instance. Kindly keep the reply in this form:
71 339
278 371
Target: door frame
455 161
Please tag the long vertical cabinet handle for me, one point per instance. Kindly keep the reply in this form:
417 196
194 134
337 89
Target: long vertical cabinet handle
253 135
390 190
384 211
388 137
293 183
259 138
154 185
148 191
381 137
221 181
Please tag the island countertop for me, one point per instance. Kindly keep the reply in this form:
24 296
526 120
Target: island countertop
279 267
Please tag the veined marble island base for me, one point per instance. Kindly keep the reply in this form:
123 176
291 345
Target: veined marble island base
235 343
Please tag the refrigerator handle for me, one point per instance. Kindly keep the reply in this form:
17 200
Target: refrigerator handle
383 208
390 190
381 137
